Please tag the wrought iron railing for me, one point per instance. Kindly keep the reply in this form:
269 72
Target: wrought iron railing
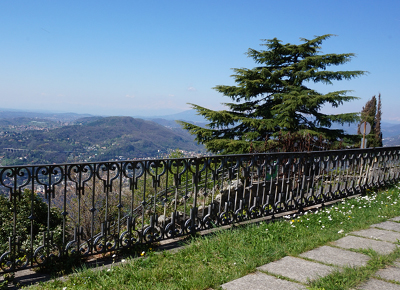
109 206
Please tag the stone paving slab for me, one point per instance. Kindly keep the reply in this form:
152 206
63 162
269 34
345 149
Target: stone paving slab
390 273
352 242
297 269
397 263
388 225
374 233
261 281
338 257
374 284
395 219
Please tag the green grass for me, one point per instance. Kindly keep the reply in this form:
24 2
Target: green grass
212 260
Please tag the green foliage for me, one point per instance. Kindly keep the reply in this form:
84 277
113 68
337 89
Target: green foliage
176 154
371 113
273 98
7 279
23 223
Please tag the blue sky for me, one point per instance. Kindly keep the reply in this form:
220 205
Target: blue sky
153 57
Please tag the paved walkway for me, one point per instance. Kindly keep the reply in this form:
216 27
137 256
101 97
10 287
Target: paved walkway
296 272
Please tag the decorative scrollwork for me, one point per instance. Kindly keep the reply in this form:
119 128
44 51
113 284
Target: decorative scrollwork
72 248
152 234
80 174
255 212
193 225
49 176
173 230
104 243
130 238
177 167
108 172
15 179
241 215
78 245
209 222
21 260
226 218
45 255
16 257
133 171
48 251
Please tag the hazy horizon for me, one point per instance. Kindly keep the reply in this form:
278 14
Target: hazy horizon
191 112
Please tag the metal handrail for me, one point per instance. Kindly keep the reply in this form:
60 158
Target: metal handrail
192 194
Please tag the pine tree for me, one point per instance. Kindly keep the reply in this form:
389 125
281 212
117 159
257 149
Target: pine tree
273 99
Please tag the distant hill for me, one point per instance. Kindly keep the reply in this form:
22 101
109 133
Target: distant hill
94 139
391 141
63 117
390 130
188 115
391 134
44 137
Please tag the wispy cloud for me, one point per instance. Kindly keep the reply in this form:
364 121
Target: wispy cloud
130 96
191 89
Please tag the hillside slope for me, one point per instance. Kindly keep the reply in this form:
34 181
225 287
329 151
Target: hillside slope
94 139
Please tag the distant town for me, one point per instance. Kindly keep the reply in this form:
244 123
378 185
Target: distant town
40 139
